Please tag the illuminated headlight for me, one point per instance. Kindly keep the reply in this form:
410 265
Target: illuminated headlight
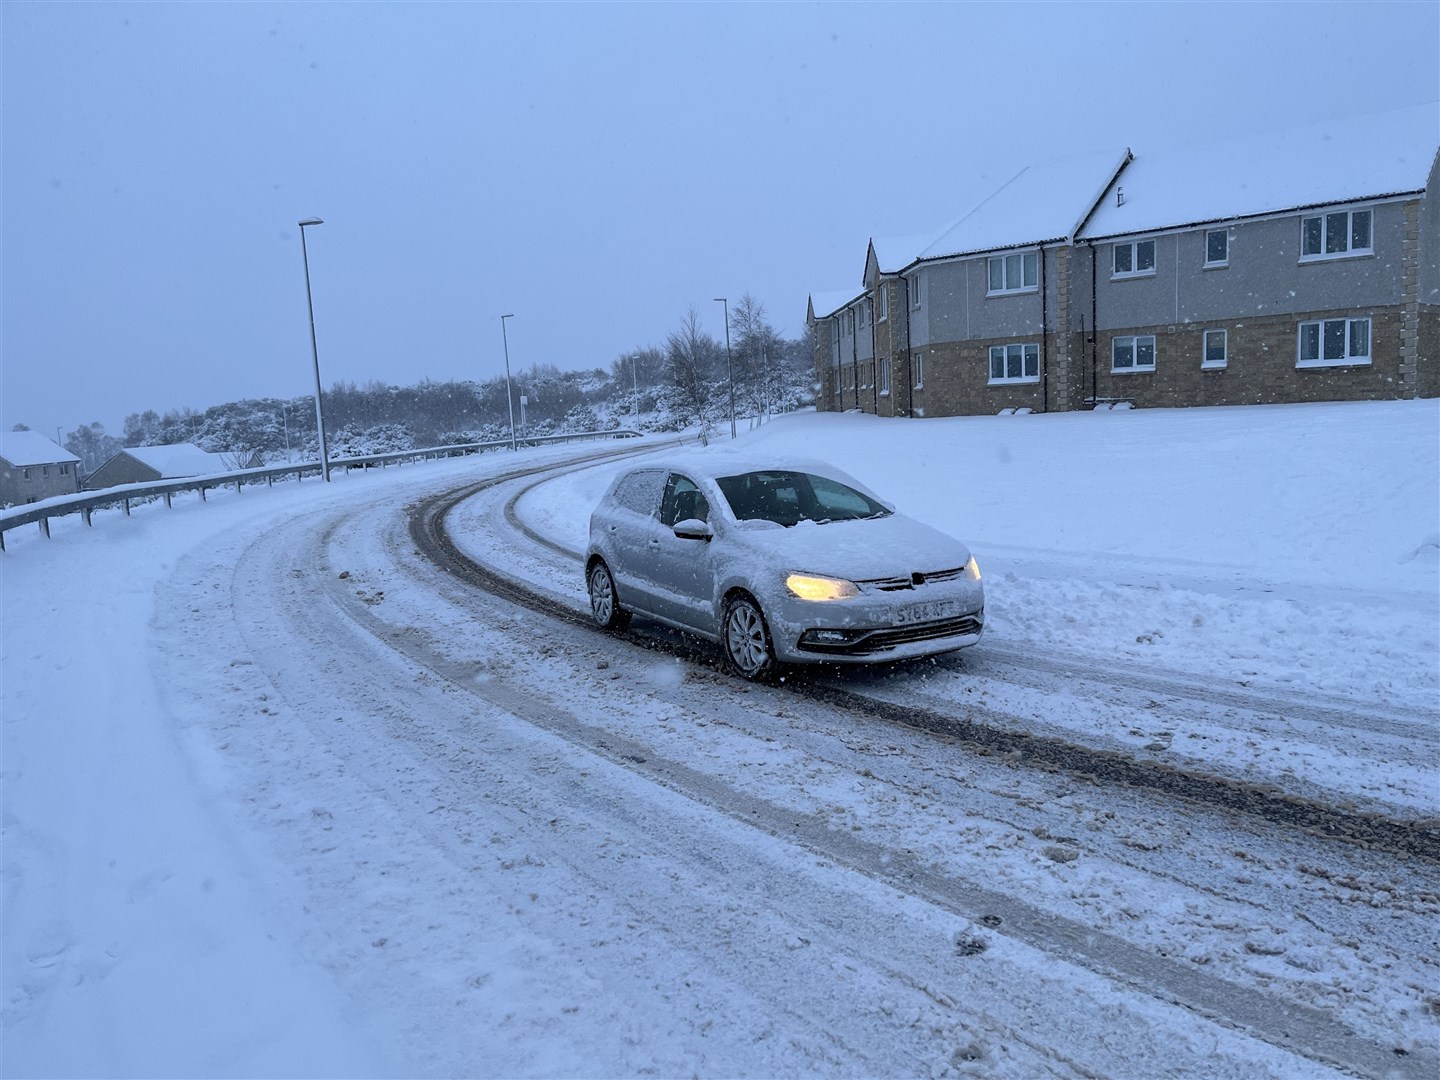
972 569
809 587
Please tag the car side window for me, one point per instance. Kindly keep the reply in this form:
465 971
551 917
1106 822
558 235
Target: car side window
682 501
640 491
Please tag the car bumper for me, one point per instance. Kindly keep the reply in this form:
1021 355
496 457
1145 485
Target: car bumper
867 630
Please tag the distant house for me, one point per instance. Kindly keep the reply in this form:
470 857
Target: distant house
147 464
1296 266
34 468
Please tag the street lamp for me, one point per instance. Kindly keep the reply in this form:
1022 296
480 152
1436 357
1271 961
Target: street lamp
509 399
729 363
635 386
314 350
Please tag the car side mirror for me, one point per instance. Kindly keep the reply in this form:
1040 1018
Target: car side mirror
693 529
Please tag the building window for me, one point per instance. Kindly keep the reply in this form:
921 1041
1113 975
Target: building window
44 470
850 322
915 291
1133 259
864 313
1014 363
919 363
1334 342
1133 354
64 470
24 474
885 377
1014 273
1217 247
884 297
854 375
1217 349
1330 236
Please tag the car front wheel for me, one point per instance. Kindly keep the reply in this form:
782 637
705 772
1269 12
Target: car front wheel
604 604
746 639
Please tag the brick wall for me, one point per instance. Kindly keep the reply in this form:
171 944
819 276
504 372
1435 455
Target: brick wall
957 381
1261 367
1428 362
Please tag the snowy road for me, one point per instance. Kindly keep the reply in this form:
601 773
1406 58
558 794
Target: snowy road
450 835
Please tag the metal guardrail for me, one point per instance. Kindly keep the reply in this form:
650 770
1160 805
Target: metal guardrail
86 503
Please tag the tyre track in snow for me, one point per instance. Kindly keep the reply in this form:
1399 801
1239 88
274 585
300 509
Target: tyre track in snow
1283 1023
801 928
993 732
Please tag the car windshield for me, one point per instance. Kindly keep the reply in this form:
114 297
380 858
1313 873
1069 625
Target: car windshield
788 498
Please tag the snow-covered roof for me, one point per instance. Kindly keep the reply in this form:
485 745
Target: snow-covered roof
894 253
1039 204
825 304
32 448
179 459
1340 160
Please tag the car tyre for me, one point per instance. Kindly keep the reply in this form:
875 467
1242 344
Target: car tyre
604 601
745 639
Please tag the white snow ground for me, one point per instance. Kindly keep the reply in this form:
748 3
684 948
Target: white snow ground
260 819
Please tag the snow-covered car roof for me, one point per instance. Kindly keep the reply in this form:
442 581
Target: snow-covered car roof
713 462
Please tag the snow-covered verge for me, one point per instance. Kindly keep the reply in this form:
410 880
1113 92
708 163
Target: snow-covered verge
1288 551
264 820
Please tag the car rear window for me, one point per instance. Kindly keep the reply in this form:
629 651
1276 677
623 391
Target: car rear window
788 498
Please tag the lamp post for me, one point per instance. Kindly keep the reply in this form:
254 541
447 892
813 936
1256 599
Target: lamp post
729 363
509 398
315 351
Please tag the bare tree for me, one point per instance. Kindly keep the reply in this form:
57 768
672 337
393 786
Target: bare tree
757 352
692 357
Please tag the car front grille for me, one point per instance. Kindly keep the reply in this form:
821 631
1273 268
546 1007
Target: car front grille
910 581
877 641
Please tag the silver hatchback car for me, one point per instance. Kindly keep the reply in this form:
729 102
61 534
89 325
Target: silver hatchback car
781 563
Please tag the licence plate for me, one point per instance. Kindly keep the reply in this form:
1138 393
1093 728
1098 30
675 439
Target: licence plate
931 612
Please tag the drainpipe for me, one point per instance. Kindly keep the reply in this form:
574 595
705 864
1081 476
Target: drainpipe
1094 335
1044 338
874 358
855 362
909 352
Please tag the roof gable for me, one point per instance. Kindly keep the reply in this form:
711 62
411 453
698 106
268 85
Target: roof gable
891 254
1040 204
823 305
1341 160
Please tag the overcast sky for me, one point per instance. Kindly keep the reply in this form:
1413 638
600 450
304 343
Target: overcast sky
594 169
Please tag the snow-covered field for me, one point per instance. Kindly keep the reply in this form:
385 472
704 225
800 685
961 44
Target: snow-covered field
281 799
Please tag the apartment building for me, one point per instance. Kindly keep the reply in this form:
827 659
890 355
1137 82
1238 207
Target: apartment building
1294 266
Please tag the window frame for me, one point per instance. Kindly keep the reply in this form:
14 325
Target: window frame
1027 350
667 508
918 363
916 292
1135 367
1349 251
1028 259
1346 359
884 376
1215 264
884 305
1133 246
1224 361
